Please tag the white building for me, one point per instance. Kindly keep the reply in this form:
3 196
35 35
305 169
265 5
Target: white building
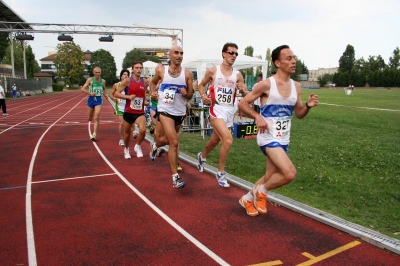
314 74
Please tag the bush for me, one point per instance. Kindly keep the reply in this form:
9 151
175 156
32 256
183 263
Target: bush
74 88
57 87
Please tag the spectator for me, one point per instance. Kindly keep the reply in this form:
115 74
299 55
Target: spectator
3 100
14 90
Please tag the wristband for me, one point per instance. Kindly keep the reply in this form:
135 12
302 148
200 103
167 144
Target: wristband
308 105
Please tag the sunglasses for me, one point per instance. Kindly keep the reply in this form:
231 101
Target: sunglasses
233 53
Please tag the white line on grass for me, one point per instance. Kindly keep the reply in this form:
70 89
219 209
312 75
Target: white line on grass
159 212
370 108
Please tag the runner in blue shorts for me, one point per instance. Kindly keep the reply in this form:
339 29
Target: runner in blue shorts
95 87
280 96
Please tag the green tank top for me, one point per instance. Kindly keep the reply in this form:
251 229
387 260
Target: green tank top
97 87
154 103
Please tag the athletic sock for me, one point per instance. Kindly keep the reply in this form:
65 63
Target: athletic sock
249 196
262 189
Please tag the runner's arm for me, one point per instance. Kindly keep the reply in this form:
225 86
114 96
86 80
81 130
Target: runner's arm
86 85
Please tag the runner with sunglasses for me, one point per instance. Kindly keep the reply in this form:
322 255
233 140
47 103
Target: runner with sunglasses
225 80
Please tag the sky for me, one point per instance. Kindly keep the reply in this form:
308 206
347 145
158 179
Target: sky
317 31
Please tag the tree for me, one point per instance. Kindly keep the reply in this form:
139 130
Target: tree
394 62
70 62
103 59
346 61
4 44
304 69
268 58
376 63
18 56
249 52
32 65
153 58
133 56
259 68
323 79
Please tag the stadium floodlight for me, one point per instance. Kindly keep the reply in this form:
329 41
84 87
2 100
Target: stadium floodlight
107 38
65 38
24 37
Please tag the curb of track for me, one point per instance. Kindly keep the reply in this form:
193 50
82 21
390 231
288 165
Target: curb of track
372 237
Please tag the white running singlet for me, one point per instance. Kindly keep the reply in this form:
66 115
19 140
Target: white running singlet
170 99
223 96
277 112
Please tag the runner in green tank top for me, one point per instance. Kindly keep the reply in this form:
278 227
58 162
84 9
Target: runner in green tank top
95 87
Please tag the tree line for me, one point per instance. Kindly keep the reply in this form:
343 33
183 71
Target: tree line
372 72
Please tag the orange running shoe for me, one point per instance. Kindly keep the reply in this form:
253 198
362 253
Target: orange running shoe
248 205
260 200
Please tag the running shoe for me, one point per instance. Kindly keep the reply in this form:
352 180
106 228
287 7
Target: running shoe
248 205
260 200
134 134
221 178
5 114
121 142
200 165
138 151
93 137
177 182
160 152
127 155
153 151
179 168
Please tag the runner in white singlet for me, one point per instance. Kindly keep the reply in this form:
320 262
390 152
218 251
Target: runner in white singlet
280 96
224 80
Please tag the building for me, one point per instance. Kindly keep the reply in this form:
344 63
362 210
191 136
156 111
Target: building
161 52
314 74
47 63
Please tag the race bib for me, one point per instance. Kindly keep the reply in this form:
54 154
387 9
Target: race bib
281 126
136 104
169 96
97 90
224 95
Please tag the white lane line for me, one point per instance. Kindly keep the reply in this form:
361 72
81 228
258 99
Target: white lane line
159 212
1 132
28 199
71 178
369 108
36 123
72 122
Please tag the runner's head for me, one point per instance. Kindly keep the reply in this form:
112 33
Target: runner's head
284 59
229 52
137 68
176 55
124 74
97 72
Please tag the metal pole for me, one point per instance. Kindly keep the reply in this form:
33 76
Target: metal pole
12 54
23 53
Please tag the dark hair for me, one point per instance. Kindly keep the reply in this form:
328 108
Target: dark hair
277 52
229 44
123 71
260 75
137 62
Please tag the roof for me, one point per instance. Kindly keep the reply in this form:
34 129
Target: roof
8 14
52 57
42 75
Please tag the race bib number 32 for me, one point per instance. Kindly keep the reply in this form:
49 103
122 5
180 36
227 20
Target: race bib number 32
281 127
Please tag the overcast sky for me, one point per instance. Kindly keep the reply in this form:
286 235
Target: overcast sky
317 31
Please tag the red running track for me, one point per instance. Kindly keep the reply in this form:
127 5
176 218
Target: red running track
68 201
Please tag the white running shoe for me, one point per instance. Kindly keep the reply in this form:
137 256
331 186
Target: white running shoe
138 151
127 155
121 142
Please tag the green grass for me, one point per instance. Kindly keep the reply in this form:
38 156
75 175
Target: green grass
347 157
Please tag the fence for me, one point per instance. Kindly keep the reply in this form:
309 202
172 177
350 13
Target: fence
29 86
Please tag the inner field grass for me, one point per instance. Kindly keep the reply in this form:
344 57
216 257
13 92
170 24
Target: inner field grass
346 155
